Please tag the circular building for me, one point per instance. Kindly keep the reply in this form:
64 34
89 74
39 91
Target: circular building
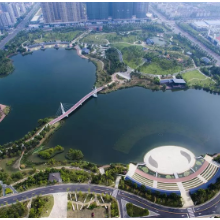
169 159
175 169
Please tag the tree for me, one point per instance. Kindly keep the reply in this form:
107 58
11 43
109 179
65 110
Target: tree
156 80
73 154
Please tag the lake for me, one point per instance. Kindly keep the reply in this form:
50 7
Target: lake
117 127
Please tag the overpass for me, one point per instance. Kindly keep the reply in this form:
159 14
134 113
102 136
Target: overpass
73 108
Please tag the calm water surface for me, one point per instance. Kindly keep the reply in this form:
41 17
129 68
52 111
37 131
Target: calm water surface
118 127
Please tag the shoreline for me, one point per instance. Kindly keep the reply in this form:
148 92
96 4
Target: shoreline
2 114
79 52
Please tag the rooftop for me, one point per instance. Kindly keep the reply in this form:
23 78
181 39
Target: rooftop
54 177
169 159
179 81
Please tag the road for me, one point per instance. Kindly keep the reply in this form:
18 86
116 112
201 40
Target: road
20 27
177 30
209 208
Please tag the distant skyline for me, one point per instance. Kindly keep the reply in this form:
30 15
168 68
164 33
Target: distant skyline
80 11
10 12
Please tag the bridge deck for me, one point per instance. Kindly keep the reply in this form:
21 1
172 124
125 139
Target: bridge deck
75 106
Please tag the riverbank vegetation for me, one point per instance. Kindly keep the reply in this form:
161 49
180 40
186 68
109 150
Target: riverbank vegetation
217 159
74 154
109 176
194 79
17 210
135 211
29 37
203 195
31 140
6 110
112 62
8 178
51 152
172 200
41 206
41 178
6 65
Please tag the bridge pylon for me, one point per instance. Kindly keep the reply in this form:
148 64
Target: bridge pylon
62 109
95 93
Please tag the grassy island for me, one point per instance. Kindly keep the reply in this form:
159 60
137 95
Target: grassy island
135 211
51 152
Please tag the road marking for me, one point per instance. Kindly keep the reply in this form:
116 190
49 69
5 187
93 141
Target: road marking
51 189
153 207
191 212
210 206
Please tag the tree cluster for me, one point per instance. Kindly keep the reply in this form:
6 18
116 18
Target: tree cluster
135 211
41 178
15 148
37 206
172 200
113 63
6 65
51 152
17 210
74 154
203 195
109 177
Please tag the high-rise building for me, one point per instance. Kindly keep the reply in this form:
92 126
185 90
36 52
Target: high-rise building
5 19
22 7
97 10
16 10
11 12
63 11
141 9
122 10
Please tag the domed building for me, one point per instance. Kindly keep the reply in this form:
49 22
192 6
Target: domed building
173 169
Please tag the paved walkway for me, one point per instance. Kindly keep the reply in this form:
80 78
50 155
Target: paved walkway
59 209
187 201
117 181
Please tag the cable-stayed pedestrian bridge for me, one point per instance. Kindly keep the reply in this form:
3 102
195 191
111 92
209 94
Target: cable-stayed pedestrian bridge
74 107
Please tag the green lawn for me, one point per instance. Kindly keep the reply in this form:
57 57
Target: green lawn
135 211
103 38
154 68
39 210
122 45
8 191
51 36
98 38
48 207
8 168
196 78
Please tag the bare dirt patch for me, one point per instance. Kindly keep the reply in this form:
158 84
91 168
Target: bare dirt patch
60 206
99 212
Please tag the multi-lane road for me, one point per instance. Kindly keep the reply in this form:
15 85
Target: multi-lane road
177 30
20 27
208 209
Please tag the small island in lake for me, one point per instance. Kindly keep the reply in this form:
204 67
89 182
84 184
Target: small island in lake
4 110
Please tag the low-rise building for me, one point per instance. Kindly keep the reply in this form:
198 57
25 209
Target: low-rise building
55 177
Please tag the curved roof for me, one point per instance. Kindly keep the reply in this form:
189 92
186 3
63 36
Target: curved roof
169 159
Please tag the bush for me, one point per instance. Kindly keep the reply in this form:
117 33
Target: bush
73 154
93 206
135 211
18 210
51 152
8 191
